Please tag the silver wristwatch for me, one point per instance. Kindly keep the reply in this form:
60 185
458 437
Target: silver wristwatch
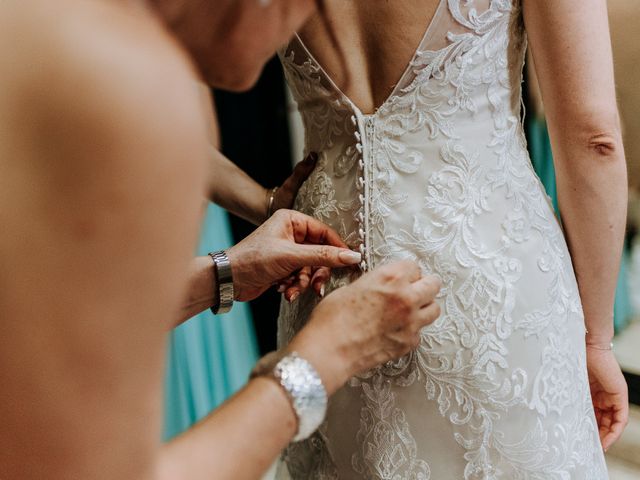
302 384
224 282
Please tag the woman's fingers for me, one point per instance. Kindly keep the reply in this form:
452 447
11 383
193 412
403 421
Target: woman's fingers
319 278
283 286
324 256
427 315
308 277
426 289
300 285
307 229
611 425
285 283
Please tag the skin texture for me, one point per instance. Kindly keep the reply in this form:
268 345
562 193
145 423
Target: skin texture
375 42
103 153
220 32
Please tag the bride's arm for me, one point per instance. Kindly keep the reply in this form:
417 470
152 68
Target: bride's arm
572 52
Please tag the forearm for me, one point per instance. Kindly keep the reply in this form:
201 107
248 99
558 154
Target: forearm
239 440
235 191
593 199
243 437
573 60
228 185
202 290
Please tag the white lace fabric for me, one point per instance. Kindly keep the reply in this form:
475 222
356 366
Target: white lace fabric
440 174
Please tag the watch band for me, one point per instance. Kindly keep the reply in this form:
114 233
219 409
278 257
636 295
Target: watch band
302 384
224 282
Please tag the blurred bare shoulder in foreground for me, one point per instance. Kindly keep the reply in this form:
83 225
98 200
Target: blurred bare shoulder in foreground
91 167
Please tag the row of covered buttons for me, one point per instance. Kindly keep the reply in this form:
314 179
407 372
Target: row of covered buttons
360 183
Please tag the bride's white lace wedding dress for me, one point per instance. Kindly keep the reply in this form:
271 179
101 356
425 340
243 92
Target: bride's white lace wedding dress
440 174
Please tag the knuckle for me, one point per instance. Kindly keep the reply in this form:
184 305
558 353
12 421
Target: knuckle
435 281
280 214
431 314
402 306
324 253
408 299
408 270
429 290
412 267
388 275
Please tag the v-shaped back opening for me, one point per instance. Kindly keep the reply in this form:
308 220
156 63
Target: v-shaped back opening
435 37
425 39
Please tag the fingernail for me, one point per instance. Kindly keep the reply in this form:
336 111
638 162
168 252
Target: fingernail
294 296
350 257
322 291
281 288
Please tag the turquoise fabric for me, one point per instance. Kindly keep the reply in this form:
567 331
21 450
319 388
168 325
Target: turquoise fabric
209 357
542 160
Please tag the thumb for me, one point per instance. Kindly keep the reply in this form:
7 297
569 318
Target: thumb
326 256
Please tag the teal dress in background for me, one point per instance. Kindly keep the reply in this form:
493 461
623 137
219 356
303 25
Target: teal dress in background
209 357
542 159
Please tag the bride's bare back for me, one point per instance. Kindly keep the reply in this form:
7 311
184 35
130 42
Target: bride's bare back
376 40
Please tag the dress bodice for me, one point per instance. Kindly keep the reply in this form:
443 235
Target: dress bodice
461 88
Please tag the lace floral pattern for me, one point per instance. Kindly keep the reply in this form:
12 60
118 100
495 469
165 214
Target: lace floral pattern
440 174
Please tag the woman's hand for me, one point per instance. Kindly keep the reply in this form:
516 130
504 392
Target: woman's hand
286 193
281 246
609 394
314 277
375 319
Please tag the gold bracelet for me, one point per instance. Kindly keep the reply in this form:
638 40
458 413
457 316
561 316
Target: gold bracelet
597 347
272 197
